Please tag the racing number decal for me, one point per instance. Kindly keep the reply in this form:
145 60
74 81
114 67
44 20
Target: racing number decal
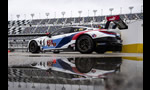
50 43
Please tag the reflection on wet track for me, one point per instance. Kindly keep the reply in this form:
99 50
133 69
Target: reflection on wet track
76 73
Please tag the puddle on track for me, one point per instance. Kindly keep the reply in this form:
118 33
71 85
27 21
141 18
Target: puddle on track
76 73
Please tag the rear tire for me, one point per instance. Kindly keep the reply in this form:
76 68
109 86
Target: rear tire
85 44
84 65
33 47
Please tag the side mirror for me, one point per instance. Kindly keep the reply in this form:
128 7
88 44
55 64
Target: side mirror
48 34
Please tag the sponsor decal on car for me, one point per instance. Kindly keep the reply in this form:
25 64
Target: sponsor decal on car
50 43
113 18
94 35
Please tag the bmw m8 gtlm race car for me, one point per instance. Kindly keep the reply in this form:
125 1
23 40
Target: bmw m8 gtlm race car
82 39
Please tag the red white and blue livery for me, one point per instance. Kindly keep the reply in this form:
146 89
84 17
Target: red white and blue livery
82 39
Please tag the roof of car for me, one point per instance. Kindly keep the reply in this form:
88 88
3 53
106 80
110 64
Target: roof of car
79 27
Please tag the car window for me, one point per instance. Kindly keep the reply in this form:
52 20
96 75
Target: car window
61 31
56 32
77 29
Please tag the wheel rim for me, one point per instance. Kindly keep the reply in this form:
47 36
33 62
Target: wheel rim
84 44
32 47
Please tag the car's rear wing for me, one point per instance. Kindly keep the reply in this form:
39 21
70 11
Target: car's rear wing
117 21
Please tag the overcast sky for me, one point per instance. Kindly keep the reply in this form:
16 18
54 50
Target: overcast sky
40 7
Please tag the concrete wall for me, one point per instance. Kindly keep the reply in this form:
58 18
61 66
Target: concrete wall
133 37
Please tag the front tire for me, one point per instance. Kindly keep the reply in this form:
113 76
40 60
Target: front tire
33 47
85 44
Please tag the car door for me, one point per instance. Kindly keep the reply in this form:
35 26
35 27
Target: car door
58 39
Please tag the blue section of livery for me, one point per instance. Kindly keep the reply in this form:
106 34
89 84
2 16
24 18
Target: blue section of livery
64 41
61 64
59 42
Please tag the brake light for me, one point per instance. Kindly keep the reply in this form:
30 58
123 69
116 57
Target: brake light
108 32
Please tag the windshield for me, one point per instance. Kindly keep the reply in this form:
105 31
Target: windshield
67 30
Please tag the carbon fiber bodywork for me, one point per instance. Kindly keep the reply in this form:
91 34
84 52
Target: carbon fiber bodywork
108 44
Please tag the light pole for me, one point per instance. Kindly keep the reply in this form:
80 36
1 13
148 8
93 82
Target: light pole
71 14
11 17
39 15
88 13
131 9
101 12
18 16
94 11
32 15
120 10
25 16
79 13
141 8
63 14
54 14
111 9
47 14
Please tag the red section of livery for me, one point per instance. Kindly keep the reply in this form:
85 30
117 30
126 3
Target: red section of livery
113 18
78 34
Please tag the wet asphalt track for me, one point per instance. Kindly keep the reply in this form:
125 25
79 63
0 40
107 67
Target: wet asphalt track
131 69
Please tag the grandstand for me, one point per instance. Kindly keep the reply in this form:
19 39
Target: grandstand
41 26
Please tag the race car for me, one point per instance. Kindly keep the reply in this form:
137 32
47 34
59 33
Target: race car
82 39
